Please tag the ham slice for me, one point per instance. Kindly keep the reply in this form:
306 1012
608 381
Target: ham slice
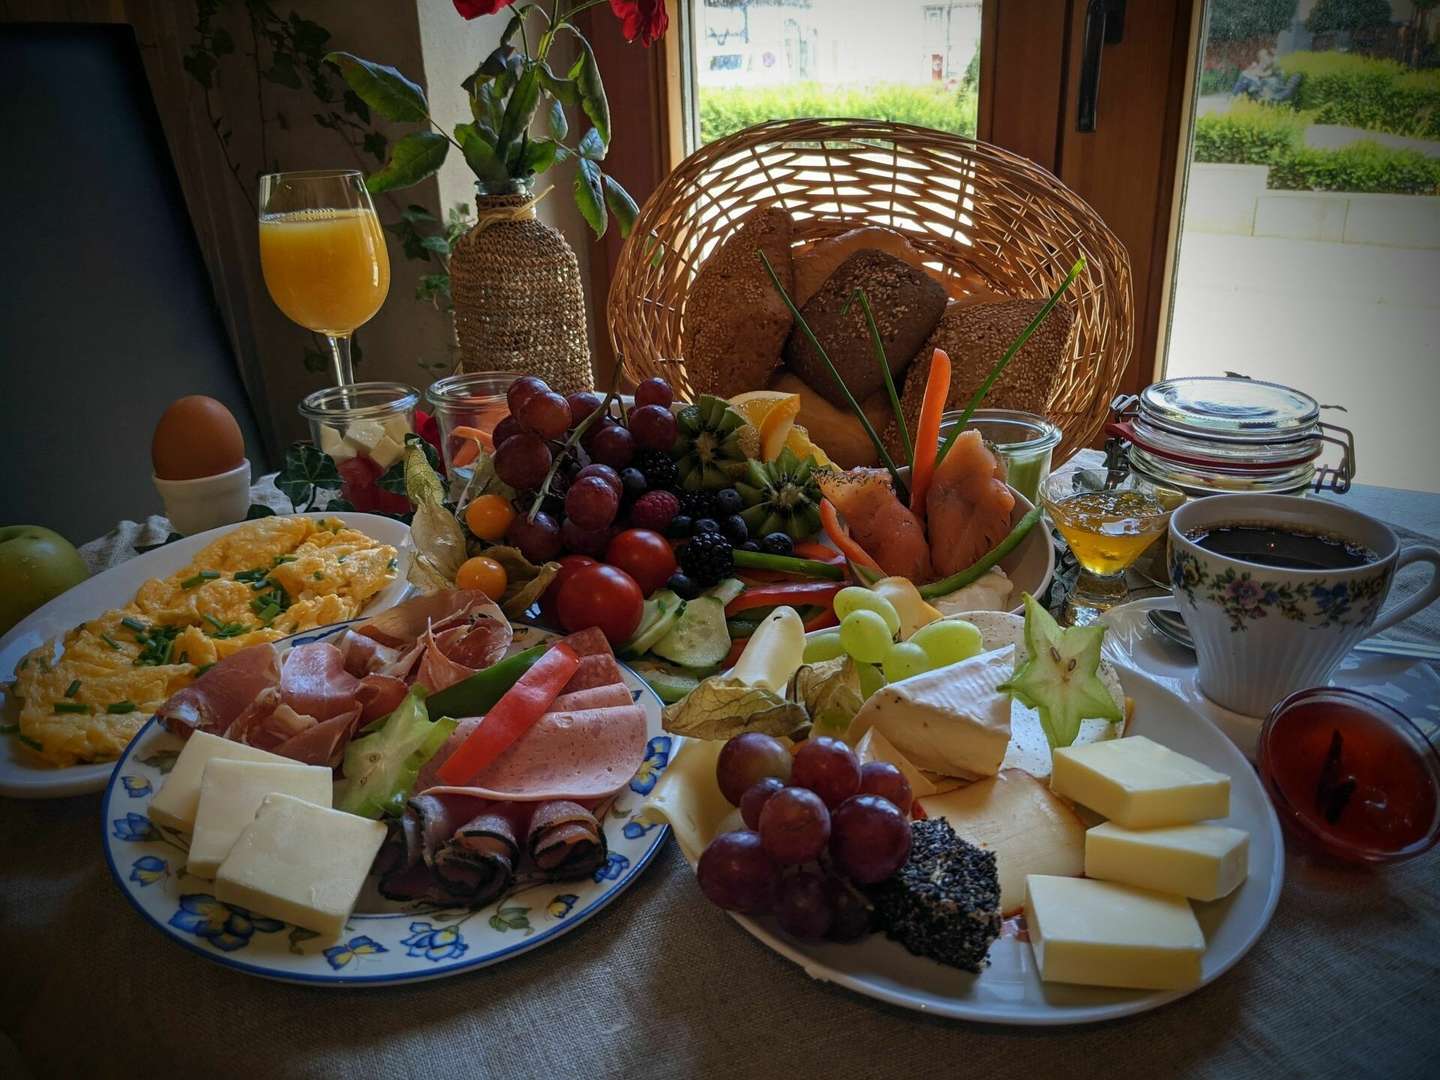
597 697
212 702
437 670
314 681
379 695
321 743
576 754
402 625
364 655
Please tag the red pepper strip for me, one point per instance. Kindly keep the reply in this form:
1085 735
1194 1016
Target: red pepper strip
736 648
512 716
795 593
840 536
808 549
822 620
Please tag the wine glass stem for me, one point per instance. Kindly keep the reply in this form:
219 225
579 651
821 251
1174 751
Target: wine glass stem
340 359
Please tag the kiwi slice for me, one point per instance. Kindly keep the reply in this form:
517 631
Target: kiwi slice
781 496
708 455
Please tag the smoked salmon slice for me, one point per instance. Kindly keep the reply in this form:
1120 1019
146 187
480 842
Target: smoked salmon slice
968 507
880 522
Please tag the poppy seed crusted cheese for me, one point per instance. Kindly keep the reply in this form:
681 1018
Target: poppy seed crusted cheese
944 902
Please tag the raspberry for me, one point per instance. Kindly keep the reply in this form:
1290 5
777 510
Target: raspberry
653 510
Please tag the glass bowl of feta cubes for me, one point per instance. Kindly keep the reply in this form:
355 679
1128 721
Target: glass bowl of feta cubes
362 428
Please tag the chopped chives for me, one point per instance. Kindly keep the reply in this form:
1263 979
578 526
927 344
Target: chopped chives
283 559
211 620
133 624
120 708
73 688
33 744
319 576
72 707
110 641
256 574
200 578
184 658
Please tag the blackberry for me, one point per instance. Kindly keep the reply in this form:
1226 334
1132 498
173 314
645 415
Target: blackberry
707 558
697 504
658 468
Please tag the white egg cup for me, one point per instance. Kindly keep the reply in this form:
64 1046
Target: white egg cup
207 502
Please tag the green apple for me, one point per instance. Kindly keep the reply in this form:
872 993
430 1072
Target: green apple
35 566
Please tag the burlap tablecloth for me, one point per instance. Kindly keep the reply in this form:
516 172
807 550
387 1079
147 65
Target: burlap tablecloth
1345 983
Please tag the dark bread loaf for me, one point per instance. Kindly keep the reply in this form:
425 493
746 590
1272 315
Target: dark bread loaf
735 323
907 304
975 336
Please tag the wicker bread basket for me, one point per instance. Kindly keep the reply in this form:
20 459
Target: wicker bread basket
988 218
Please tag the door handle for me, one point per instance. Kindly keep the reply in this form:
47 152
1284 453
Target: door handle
1104 25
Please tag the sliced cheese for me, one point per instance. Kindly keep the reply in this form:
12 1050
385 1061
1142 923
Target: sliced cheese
1030 829
1140 784
174 805
1100 934
301 863
365 433
1203 862
230 794
335 444
397 427
876 747
687 797
386 452
951 720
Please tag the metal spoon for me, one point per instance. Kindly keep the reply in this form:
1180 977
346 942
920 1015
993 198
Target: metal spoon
1168 623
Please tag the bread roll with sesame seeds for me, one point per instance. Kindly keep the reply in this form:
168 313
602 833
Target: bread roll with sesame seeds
907 304
735 323
976 335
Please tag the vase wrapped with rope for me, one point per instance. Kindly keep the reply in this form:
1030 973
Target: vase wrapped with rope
515 281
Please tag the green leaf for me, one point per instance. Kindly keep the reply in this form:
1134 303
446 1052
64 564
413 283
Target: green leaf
511 29
257 511
592 146
383 88
412 159
559 124
306 470
563 90
375 145
438 244
355 106
416 215
538 156
586 74
590 197
479 154
519 110
493 66
622 206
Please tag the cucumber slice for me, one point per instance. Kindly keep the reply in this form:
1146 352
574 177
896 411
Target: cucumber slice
727 590
661 612
699 637
670 686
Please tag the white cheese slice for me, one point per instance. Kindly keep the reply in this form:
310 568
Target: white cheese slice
396 427
687 797
1140 784
1203 862
335 444
174 805
1030 829
365 433
1100 934
301 863
876 747
386 452
230 794
950 720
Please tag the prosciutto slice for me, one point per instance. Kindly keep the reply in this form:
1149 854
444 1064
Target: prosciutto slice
401 626
314 681
212 702
363 655
379 695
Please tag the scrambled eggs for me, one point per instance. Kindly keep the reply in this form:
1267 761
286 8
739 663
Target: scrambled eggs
260 582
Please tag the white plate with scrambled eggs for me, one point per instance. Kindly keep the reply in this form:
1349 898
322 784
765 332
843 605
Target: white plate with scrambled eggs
91 666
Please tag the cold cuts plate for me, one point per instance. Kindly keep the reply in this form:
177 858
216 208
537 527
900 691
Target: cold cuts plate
384 941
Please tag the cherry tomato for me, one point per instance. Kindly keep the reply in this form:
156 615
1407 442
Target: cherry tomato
601 596
643 554
489 516
484 574
549 600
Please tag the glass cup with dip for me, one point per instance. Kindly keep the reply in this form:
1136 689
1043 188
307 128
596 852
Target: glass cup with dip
1276 590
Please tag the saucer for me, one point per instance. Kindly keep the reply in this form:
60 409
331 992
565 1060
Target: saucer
1412 686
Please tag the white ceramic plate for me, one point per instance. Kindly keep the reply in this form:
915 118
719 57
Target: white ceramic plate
385 941
1009 991
21 777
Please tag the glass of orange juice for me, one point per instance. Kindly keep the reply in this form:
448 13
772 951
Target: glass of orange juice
323 255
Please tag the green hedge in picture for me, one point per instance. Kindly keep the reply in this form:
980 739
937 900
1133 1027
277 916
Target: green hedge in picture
1359 167
1249 134
726 110
1219 80
1363 92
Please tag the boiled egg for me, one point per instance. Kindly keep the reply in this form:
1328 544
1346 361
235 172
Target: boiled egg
197 436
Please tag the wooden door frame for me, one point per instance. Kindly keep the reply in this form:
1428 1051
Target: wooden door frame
1032 114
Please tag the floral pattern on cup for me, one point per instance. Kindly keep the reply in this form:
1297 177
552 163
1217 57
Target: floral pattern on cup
1245 598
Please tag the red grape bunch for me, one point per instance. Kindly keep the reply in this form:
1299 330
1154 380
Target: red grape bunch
817 825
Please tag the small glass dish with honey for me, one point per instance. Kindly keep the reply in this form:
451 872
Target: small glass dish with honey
1108 521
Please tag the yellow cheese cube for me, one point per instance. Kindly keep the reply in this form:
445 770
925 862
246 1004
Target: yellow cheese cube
1099 934
301 863
1203 862
230 794
1139 783
174 805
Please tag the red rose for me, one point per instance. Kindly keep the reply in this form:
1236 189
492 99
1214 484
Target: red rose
643 19
473 9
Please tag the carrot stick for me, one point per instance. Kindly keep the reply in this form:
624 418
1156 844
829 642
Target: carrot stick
927 431
470 449
841 538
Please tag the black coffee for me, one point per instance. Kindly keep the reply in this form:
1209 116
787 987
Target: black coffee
1289 549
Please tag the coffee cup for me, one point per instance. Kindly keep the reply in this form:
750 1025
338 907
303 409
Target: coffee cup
1275 590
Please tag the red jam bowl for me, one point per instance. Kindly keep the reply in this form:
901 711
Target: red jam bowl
1351 776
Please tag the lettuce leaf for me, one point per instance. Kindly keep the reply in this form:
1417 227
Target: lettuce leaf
381 767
